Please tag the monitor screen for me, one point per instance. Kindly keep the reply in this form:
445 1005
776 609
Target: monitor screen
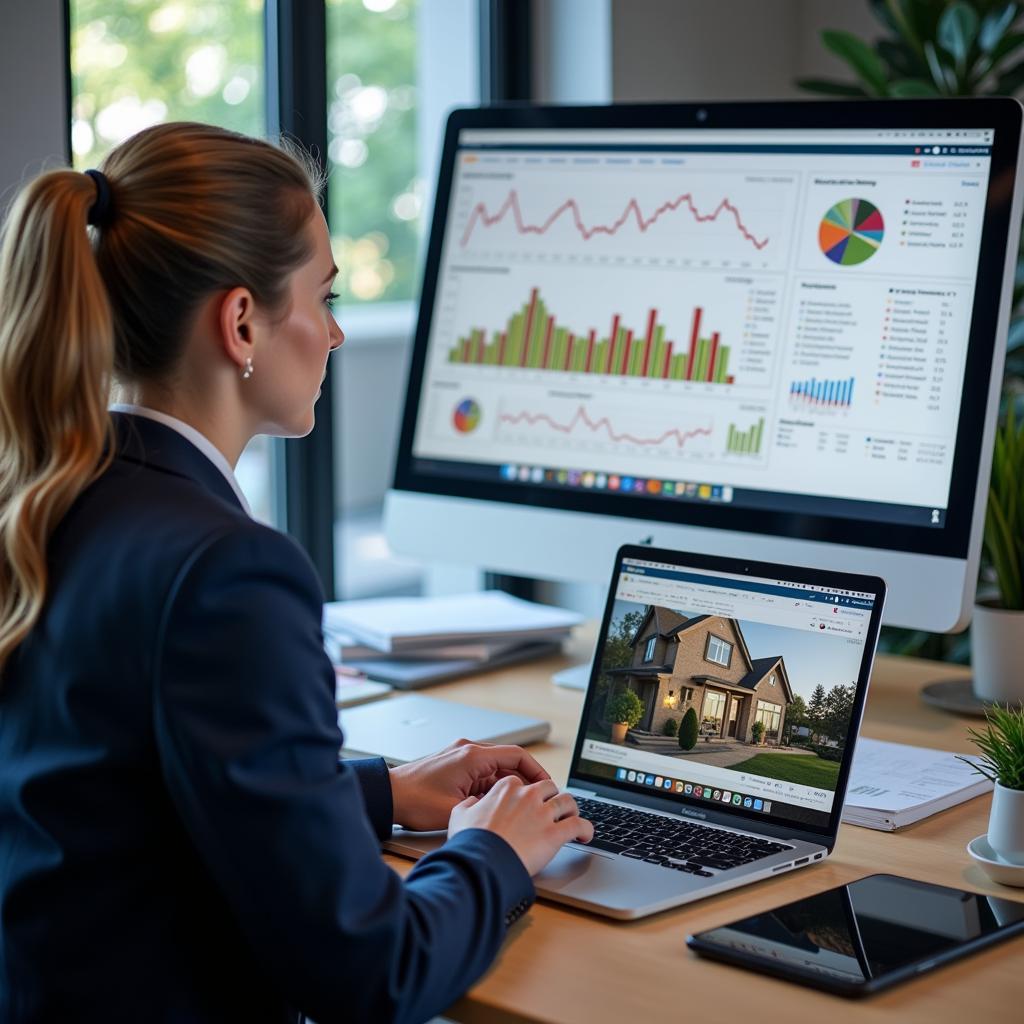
746 689
764 329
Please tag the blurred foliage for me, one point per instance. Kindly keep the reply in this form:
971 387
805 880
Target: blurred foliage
375 193
931 48
141 62
136 63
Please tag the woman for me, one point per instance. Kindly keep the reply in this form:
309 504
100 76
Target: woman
177 839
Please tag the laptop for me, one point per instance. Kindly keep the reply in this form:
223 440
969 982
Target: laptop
408 727
740 687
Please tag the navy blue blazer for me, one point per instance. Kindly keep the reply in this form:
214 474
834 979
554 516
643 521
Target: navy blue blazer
178 841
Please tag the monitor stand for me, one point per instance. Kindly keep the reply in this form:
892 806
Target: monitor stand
575 678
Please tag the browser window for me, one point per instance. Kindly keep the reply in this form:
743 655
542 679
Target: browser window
726 689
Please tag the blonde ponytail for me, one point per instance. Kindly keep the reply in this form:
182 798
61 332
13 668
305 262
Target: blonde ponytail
56 364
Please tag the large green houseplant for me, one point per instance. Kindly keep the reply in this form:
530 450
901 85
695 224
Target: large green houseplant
624 711
932 48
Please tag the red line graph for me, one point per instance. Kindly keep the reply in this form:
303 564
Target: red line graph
481 215
581 416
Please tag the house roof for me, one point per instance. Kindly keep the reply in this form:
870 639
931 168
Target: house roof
761 667
666 622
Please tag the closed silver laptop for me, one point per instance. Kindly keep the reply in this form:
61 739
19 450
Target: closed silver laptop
717 731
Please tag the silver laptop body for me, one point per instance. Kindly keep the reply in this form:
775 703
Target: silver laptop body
737 642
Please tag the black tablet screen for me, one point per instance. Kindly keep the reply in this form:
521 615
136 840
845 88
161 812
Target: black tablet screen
860 933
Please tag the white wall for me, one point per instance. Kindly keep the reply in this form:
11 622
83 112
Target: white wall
33 115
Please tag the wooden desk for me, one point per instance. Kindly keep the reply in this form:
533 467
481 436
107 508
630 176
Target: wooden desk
559 964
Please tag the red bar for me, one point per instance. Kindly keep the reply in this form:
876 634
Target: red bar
466 342
501 348
714 355
528 332
568 350
693 343
480 334
624 362
650 341
668 361
547 342
730 379
590 348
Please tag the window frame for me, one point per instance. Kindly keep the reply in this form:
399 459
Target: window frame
651 642
725 643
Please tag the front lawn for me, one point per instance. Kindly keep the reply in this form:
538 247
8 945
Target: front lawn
799 768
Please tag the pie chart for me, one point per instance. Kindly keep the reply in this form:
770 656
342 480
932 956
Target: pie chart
851 232
466 416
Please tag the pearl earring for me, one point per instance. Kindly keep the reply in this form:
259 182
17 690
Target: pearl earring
247 372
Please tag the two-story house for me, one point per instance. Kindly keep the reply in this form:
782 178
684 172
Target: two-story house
704 663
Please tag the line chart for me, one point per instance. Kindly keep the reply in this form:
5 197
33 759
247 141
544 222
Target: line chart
581 416
480 215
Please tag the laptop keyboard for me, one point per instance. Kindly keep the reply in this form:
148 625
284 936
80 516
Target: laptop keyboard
680 845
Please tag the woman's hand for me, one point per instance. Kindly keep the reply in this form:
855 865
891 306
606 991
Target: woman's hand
424 792
535 820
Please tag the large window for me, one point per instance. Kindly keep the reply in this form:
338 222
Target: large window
770 716
136 63
377 190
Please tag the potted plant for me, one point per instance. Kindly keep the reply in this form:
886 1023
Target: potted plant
998 624
757 733
1001 744
624 711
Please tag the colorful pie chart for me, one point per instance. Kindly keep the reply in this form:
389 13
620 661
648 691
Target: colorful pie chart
466 416
851 232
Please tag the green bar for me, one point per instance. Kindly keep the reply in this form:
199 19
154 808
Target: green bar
658 358
678 368
757 436
600 357
729 443
579 354
615 355
533 343
557 358
722 364
514 340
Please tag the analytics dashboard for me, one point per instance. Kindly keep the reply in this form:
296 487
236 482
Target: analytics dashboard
770 319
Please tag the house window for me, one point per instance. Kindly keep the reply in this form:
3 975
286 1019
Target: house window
649 652
770 716
771 679
686 693
718 650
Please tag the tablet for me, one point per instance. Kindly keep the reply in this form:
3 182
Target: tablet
866 936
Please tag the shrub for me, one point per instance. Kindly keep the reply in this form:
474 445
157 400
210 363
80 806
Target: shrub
688 730
827 753
625 707
671 727
757 732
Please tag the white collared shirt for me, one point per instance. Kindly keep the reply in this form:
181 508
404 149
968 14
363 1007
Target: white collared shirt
210 450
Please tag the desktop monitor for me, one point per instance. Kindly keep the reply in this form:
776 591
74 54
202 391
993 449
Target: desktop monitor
765 330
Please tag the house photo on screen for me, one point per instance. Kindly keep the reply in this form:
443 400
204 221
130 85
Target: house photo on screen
726 693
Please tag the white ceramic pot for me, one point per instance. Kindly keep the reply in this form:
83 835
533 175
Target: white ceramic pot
1006 824
997 654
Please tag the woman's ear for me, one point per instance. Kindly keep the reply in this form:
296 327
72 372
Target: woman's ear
237 325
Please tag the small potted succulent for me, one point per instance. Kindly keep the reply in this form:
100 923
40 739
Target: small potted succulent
997 627
624 711
1001 744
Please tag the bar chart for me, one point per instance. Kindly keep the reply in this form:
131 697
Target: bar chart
745 442
532 338
822 394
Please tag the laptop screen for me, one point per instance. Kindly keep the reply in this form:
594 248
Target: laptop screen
725 689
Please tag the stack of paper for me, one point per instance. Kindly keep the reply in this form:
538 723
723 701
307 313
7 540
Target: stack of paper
411 642
893 785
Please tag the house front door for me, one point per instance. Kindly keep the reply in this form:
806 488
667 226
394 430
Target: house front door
734 707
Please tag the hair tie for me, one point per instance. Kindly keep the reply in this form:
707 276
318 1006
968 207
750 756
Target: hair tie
100 211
